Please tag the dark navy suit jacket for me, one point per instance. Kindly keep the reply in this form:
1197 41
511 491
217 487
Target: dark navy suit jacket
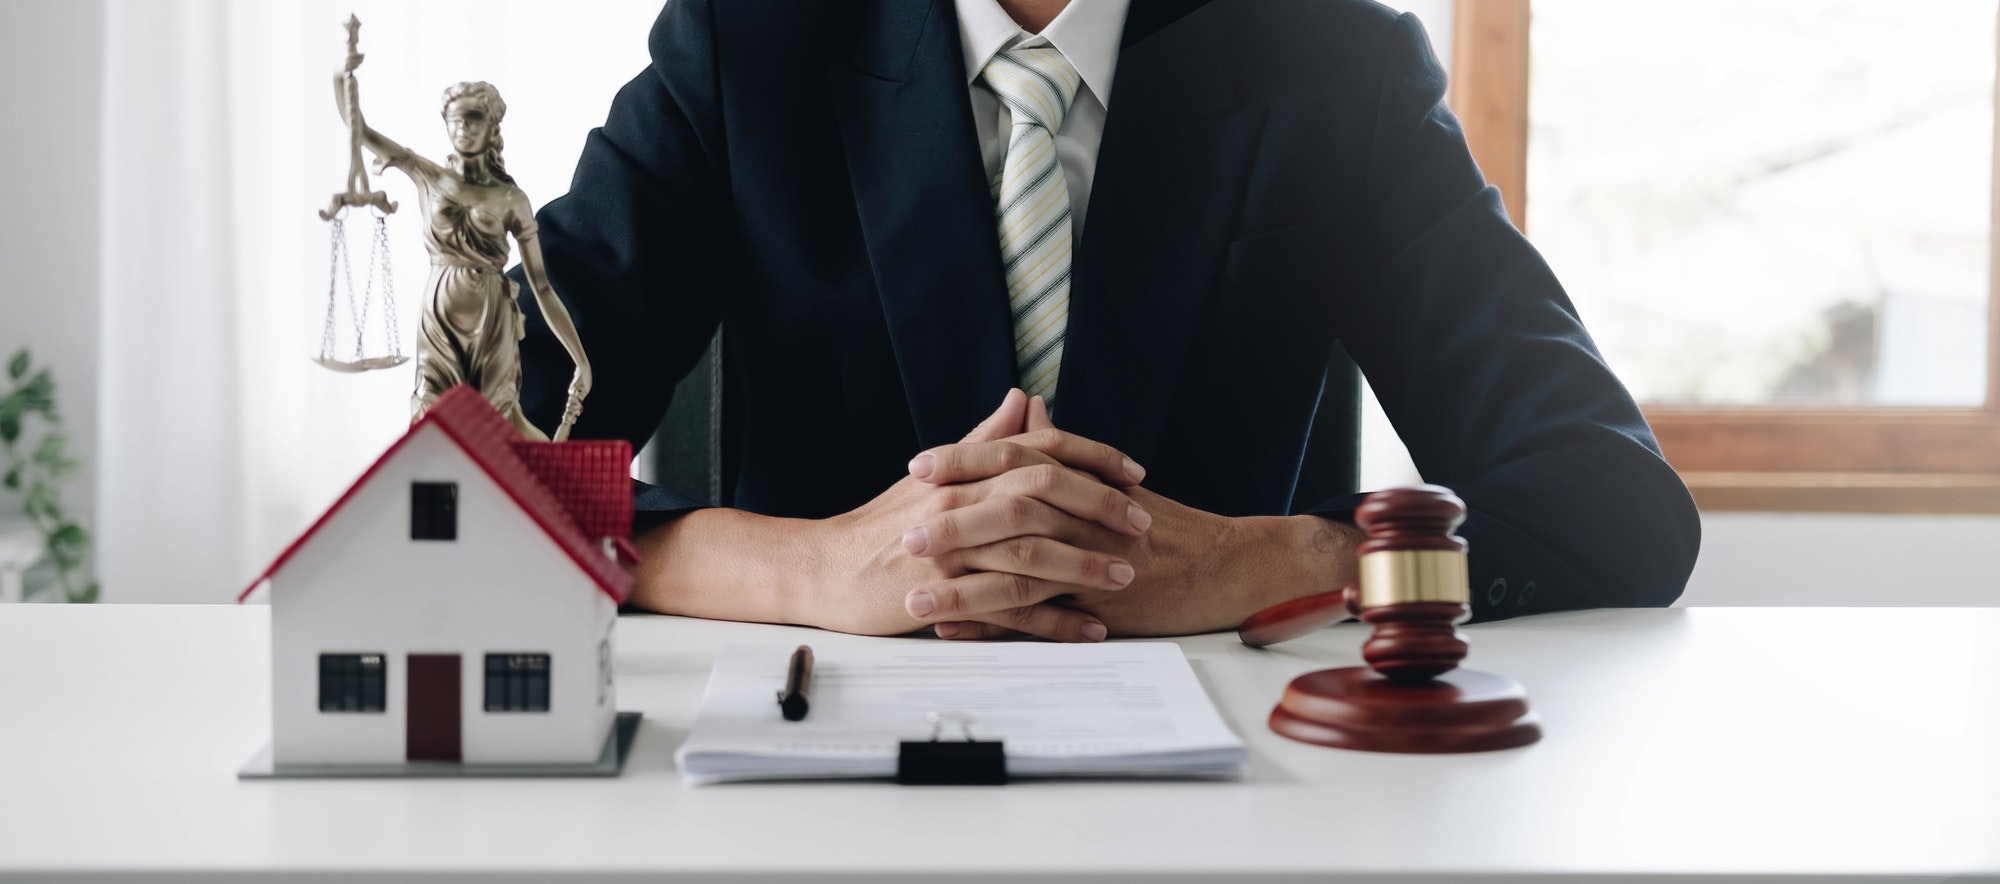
1279 190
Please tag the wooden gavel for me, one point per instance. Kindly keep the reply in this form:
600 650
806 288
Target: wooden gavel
1412 697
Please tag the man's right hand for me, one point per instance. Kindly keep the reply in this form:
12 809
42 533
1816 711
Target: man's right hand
871 580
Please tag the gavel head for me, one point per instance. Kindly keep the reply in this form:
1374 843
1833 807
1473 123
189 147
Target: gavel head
1414 586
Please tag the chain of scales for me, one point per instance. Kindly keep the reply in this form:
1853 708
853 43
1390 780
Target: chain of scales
340 269
378 281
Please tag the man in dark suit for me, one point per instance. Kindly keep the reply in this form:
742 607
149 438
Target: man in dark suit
883 203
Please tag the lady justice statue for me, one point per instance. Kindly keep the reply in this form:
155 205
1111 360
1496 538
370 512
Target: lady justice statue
472 327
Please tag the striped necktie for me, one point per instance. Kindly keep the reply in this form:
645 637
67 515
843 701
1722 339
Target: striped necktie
1032 199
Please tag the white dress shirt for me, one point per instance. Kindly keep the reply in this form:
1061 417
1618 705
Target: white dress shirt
1087 33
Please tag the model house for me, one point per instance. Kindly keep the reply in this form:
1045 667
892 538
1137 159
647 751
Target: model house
456 604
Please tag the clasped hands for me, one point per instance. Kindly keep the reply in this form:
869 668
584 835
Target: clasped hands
1022 528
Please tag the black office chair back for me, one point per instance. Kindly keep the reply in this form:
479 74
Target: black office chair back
686 450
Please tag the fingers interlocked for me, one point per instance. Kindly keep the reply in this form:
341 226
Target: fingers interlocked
1045 500
971 461
1021 517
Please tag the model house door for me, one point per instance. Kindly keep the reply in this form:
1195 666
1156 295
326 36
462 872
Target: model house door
434 710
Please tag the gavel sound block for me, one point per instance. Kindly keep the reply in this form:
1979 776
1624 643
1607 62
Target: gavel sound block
1411 697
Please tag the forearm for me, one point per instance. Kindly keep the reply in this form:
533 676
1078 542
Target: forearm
1200 572
725 564
1279 558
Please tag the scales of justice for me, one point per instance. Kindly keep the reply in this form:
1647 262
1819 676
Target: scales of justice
471 327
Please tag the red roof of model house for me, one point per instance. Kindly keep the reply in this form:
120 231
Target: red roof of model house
580 493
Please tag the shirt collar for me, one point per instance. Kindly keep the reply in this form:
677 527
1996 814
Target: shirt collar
1086 32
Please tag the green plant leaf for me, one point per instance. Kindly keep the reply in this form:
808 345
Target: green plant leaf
67 543
51 506
40 395
70 534
50 449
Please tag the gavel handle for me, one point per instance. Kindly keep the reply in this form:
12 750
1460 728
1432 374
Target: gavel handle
1303 616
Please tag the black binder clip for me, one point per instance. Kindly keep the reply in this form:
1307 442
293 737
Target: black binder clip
966 762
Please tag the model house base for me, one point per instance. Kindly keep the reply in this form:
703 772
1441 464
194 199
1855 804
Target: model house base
616 749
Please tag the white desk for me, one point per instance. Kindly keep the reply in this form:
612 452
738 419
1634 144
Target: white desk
1854 743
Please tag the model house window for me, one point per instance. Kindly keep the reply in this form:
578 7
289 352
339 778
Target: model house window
517 682
352 682
433 510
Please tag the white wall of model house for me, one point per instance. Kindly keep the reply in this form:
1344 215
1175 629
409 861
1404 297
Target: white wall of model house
360 585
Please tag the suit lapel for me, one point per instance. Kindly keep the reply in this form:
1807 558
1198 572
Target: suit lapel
1178 145
926 213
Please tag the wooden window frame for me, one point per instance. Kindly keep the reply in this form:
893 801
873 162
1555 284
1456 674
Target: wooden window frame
1886 459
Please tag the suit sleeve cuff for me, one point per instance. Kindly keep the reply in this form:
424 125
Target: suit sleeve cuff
656 504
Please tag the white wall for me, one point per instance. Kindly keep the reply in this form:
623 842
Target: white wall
1796 559
48 284
223 439
50 79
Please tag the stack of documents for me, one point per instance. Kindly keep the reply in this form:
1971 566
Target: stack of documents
1110 709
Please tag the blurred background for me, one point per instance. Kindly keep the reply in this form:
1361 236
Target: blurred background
1776 216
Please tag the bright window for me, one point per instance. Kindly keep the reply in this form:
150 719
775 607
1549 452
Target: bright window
1776 218
1770 202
